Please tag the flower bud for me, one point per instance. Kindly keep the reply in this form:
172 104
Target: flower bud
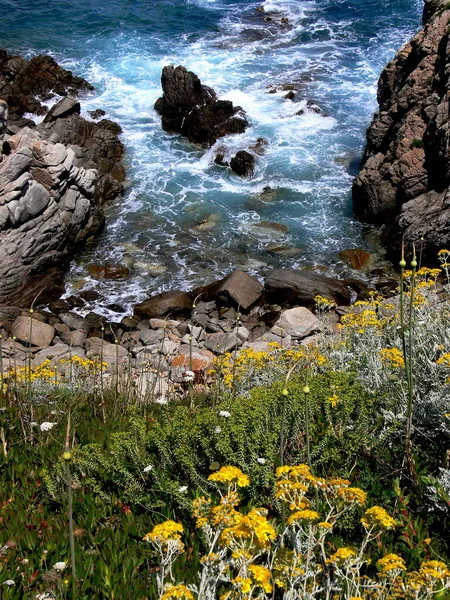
285 392
402 263
67 455
306 389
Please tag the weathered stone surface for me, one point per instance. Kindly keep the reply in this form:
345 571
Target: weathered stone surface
298 323
239 287
291 287
219 343
406 165
192 109
356 258
33 331
172 303
53 179
53 353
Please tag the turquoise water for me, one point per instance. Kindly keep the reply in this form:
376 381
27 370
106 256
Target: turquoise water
331 50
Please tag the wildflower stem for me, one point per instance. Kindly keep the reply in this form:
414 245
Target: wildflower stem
67 455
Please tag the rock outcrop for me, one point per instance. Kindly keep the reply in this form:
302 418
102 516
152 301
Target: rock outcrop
54 177
192 109
405 175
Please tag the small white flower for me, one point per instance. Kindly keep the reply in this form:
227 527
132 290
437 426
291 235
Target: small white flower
224 413
218 429
262 461
59 566
148 468
162 400
34 424
188 376
9 582
183 488
46 426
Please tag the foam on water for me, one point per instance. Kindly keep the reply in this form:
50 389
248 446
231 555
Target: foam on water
184 220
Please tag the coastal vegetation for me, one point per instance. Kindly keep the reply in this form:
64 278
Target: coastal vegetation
317 471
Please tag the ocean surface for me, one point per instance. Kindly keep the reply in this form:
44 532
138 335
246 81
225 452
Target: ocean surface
184 220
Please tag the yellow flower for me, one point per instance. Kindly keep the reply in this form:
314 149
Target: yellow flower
352 495
166 536
378 517
303 515
230 475
341 556
391 562
392 358
177 591
333 400
243 583
261 576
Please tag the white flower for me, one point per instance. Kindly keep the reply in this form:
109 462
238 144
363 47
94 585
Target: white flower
183 488
188 376
162 400
262 461
59 566
218 429
44 596
148 468
9 582
224 413
46 426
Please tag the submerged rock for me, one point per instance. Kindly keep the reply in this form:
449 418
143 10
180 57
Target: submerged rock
243 163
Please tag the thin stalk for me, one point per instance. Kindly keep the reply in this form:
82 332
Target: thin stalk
1 369
67 456
409 368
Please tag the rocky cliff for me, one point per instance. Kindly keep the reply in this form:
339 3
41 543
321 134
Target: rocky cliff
54 177
405 176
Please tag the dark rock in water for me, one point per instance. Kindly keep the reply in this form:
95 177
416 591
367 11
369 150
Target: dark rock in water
24 83
290 95
97 113
243 163
113 272
275 226
311 106
289 287
286 251
192 109
168 303
238 287
404 180
356 258
259 147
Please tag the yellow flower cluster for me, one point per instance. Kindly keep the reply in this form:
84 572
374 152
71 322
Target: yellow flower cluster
303 515
252 531
392 358
391 562
341 556
444 360
261 577
377 517
166 535
43 373
364 320
177 591
79 362
324 303
230 475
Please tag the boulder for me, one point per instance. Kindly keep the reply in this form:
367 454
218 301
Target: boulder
356 258
192 109
290 287
238 287
29 330
298 323
166 303
243 163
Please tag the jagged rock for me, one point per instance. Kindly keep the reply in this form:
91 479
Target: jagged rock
243 163
114 272
192 109
29 330
239 287
24 84
291 287
298 323
406 166
66 107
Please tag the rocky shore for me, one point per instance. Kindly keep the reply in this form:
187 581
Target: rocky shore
54 177
405 175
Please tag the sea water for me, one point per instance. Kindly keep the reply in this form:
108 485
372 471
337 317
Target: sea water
184 220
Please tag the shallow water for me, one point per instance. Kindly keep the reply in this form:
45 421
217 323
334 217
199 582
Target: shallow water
185 220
